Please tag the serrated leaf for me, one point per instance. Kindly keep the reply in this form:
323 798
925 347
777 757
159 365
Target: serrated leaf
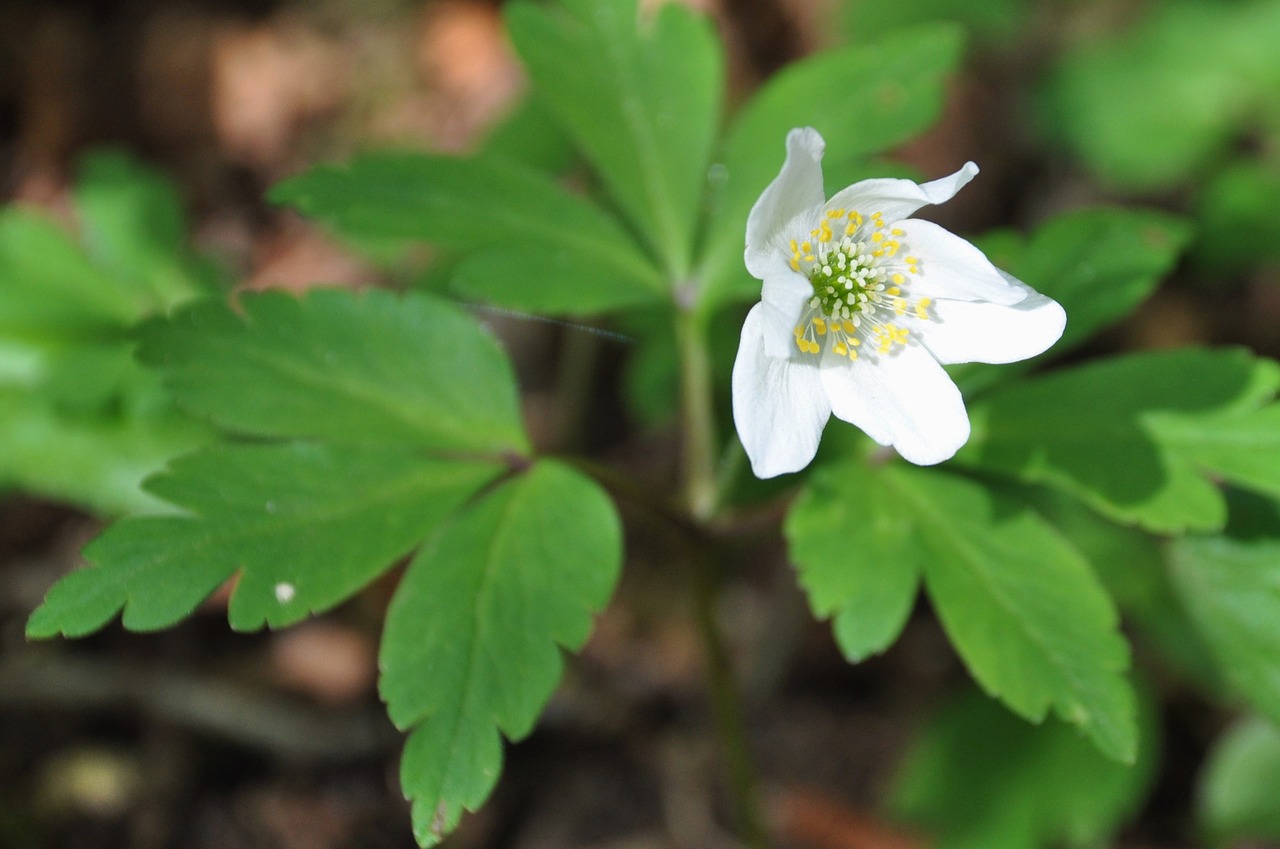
304 526
858 558
979 779
1237 795
1134 436
1133 566
371 368
1100 264
863 99
1022 608
640 96
1231 588
470 645
501 213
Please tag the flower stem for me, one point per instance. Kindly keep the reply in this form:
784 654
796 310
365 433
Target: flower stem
726 707
699 449
702 491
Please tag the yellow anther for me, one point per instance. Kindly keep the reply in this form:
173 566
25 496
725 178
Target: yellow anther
900 306
877 236
911 260
898 231
820 326
921 306
893 290
835 213
850 228
898 279
808 257
795 263
841 349
807 247
795 249
848 326
878 252
853 340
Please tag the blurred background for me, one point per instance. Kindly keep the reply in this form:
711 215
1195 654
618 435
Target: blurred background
197 737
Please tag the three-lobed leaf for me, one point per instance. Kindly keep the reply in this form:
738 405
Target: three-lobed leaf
527 242
640 96
1020 605
303 526
334 365
470 645
858 558
1138 436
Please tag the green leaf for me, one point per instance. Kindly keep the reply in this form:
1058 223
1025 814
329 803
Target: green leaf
334 365
470 646
1019 603
1237 797
1135 436
304 526
641 98
530 135
997 20
858 557
49 291
95 458
863 99
503 215
1238 224
1100 264
978 779
1133 566
1232 590
133 227
1142 115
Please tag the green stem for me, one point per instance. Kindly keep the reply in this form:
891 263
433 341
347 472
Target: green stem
726 706
702 487
699 449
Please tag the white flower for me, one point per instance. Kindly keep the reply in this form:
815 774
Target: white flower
860 308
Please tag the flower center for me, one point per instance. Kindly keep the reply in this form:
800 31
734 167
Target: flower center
858 280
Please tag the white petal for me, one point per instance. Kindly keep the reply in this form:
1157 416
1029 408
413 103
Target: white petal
903 399
786 293
952 268
897 199
798 187
779 406
974 332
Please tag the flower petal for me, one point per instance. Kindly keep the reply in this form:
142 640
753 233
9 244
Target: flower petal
897 199
779 406
798 187
903 399
952 268
975 332
786 293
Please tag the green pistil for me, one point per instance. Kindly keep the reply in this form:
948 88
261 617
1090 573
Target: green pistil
845 281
